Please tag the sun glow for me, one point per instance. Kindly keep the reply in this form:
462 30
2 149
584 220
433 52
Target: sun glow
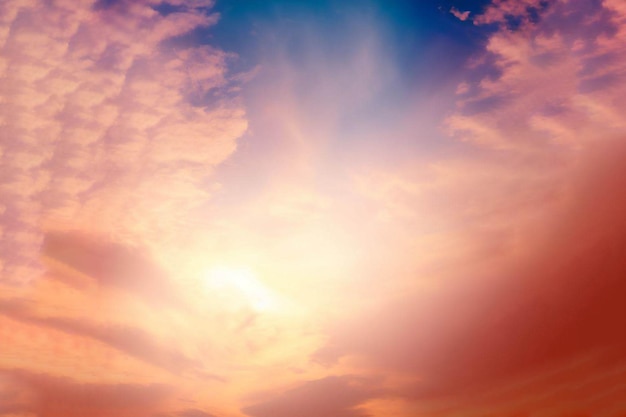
239 286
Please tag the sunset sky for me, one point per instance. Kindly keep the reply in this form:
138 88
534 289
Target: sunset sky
321 208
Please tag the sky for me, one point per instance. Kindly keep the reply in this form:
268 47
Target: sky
330 208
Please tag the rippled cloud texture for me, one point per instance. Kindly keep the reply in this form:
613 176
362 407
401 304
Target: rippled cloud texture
333 230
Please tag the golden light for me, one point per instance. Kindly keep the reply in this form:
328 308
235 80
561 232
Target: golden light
239 287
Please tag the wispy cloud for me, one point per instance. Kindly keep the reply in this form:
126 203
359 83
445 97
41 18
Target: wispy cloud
462 16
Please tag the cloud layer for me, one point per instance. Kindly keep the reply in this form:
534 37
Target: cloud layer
449 254
105 123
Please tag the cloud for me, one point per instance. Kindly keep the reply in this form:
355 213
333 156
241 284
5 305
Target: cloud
334 395
510 11
191 412
110 264
475 266
102 119
135 342
53 397
463 16
113 122
195 413
557 79
513 237
527 319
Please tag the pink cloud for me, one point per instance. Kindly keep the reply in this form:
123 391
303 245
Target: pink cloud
514 238
499 10
108 145
482 276
90 92
463 16
555 83
335 395
132 341
62 397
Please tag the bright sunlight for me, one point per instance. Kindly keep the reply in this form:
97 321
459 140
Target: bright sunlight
239 286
